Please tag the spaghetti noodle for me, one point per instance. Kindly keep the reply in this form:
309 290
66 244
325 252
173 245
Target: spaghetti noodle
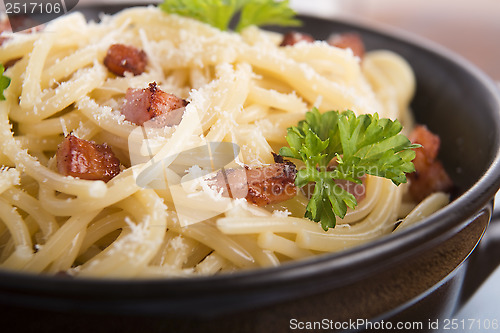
242 89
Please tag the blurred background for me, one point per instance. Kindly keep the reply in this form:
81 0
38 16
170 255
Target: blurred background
468 27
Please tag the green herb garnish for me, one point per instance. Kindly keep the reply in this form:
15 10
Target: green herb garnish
4 82
219 13
360 145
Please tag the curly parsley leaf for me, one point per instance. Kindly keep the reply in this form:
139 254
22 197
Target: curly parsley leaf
219 13
266 12
359 145
4 82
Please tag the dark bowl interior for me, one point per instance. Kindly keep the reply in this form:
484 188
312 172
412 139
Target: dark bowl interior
453 98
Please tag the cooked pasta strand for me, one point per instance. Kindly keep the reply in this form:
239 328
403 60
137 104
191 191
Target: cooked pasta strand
160 216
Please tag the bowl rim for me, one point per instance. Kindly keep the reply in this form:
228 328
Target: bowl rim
453 217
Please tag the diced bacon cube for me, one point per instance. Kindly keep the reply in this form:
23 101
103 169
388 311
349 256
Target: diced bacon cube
358 190
142 105
4 26
260 186
271 184
86 159
293 37
430 143
430 175
348 40
124 58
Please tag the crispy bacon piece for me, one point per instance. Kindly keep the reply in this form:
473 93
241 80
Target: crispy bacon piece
142 105
430 175
262 185
124 58
348 40
17 22
358 190
4 26
86 159
293 37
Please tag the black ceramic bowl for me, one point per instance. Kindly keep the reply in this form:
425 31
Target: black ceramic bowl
420 274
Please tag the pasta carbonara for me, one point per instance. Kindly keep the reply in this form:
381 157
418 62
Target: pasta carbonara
156 215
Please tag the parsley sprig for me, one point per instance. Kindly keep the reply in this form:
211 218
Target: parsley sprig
357 145
219 13
4 82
